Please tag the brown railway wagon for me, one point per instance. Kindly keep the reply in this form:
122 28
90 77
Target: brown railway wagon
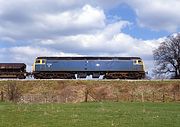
13 70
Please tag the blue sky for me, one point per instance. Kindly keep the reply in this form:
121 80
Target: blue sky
125 12
79 27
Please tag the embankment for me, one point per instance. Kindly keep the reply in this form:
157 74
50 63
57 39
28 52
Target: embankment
74 91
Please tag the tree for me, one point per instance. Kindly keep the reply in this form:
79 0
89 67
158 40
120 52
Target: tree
167 57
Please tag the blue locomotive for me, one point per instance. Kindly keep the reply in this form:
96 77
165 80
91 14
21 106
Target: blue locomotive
81 67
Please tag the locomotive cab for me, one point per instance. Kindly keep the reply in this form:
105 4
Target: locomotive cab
37 63
139 65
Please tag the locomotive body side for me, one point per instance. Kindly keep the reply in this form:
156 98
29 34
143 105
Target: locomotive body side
51 67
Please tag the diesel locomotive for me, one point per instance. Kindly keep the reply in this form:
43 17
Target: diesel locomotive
81 67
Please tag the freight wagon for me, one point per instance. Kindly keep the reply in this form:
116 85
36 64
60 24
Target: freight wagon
13 70
81 67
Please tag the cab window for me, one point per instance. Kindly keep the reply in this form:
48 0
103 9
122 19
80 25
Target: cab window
137 62
43 61
38 61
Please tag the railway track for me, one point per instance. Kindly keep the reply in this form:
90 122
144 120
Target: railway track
129 80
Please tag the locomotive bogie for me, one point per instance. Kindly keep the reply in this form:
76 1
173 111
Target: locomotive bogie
53 75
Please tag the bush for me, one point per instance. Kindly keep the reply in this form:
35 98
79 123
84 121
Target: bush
13 92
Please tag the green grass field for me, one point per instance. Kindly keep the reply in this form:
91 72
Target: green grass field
101 114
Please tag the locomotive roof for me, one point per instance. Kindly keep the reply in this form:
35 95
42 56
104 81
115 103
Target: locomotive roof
88 58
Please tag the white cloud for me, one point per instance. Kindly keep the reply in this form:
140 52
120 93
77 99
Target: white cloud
7 40
29 22
97 42
157 14
86 18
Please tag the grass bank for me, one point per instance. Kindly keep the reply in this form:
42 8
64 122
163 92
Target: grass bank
73 91
94 114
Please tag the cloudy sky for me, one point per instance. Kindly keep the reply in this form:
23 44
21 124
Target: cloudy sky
31 28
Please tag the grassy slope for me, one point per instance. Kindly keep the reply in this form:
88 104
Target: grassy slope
74 90
102 114
35 85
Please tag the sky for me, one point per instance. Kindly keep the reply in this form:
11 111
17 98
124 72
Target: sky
31 28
